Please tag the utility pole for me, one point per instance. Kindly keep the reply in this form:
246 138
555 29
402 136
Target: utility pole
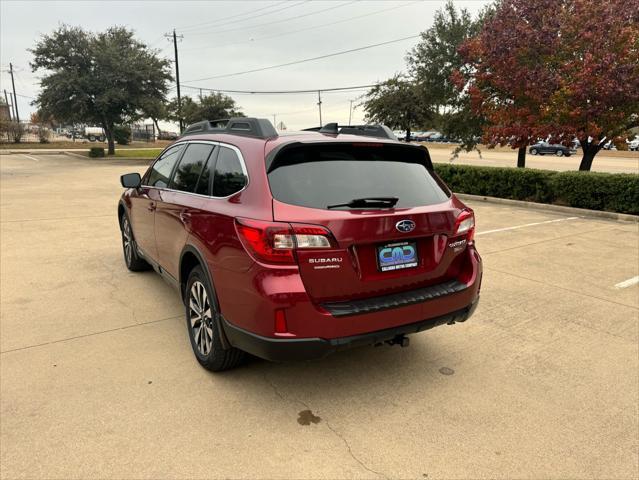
177 75
350 113
9 106
275 120
14 93
200 95
13 106
319 104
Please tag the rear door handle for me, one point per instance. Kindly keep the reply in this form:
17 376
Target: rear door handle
151 207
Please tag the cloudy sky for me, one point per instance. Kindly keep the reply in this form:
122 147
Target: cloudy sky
227 37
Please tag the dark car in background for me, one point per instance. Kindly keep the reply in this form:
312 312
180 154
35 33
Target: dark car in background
543 148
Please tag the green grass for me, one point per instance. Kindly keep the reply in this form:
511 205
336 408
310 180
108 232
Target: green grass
132 153
129 153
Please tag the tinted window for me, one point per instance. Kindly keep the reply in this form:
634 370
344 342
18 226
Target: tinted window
229 177
162 168
191 166
204 182
318 176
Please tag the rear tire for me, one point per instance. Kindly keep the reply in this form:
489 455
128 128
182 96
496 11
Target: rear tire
133 261
559 153
203 324
533 151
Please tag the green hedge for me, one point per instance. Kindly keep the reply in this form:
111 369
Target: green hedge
96 152
614 192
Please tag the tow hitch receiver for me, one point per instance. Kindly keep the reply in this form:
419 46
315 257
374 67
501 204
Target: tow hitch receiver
401 340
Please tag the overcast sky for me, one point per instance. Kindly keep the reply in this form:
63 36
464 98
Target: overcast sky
234 36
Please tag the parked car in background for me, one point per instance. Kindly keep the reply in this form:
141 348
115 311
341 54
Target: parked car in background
633 145
297 246
166 135
543 148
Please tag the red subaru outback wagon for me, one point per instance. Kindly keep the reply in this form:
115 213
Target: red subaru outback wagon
293 246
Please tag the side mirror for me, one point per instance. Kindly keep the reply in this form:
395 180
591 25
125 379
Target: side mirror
131 180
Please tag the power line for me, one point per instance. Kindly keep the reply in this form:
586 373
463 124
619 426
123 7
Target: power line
282 92
343 52
250 17
305 29
251 12
275 21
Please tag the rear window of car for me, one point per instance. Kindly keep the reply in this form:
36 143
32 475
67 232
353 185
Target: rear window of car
317 176
189 171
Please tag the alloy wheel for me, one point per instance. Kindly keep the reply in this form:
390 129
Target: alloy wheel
201 318
127 240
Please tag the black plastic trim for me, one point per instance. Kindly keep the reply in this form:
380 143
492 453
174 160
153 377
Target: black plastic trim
395 300
283 349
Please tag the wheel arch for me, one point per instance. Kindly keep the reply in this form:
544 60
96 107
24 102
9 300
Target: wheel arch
121 212
190 258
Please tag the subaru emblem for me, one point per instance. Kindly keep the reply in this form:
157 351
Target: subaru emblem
405 226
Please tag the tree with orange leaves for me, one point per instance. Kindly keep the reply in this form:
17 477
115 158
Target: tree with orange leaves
556 68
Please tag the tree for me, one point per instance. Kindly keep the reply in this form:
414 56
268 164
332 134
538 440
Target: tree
98 78
437 67
393 103
156 109
558 68
210 107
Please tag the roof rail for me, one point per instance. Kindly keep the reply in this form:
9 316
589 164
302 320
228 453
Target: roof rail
378 131
244 126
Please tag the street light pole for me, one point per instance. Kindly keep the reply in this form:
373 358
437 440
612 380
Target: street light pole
319 104
350 113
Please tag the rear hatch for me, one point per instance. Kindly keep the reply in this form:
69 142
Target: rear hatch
394 237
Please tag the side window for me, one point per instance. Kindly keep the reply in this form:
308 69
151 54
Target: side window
229 177
162 168
188 171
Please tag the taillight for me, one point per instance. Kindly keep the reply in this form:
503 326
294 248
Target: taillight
276 242
465 225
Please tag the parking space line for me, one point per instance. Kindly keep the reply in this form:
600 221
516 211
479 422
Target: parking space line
92 334
526 225
30 157
628 283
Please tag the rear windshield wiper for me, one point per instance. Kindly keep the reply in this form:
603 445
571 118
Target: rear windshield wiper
368 202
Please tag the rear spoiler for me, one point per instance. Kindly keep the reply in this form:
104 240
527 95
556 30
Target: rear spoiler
420 152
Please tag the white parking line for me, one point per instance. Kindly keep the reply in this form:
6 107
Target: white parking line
30 157
628 283
526 225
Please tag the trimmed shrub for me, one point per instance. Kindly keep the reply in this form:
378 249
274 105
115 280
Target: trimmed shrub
96 152
615 192
122 134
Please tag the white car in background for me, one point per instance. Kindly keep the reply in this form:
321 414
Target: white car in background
633 145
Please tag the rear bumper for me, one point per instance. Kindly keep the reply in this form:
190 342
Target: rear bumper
280 349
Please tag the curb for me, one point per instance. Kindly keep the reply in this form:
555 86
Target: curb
582 212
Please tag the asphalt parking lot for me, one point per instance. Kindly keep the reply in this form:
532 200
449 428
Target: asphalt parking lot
98 378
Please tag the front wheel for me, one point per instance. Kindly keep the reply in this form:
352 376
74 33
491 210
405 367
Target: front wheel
202 321
559 153
129 247
533 151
